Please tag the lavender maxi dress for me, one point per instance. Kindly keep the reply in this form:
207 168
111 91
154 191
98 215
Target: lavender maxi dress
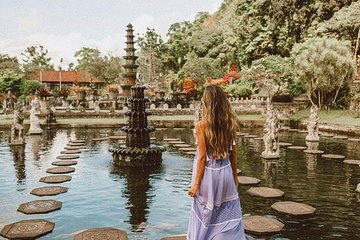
216 212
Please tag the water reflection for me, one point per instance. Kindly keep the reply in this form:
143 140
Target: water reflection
18 153
138 191
36 143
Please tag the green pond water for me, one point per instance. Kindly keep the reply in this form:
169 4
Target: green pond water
103 195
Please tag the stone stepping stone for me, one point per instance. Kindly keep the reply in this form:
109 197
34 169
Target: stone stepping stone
27 229
64 163
181 145
176 142
341 137
285 144
297 147
66 157
78 141
284 128
260 225
102 233
352 161
293 130
171 139
117 137
251 136
259 138
242 134
244 180
293 208
70 152
39 206
302 131
265 192
313 151
190 153
153 138
55 179
60 170
354 139
178 237
238 171
99 139
73 148
187 149
326 134
333 156
49 191
75 144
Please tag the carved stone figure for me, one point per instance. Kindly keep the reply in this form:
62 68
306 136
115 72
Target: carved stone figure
34 119
313 125
271 136
96 106
17 128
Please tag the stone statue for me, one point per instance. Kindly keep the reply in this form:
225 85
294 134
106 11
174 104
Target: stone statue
313 125
271 136
8 103
50 117
34 119
96 106
17 128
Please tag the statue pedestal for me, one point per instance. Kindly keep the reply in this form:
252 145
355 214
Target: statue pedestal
312 138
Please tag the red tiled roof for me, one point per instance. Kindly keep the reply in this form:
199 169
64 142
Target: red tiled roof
66 77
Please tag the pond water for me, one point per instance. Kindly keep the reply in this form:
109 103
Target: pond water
103 195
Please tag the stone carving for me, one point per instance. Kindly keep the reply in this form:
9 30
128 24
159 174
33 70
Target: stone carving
34 119
313 125
17 128
178 106
271 136
152 106
166 106
96 106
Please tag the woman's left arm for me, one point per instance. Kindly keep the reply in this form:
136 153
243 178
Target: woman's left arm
233 160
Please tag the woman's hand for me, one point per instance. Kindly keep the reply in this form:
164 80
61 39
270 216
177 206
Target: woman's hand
236 180
192 191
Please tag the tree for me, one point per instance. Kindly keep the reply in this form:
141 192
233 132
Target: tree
85 56
36 59
11 81
9 63
326 67
29 87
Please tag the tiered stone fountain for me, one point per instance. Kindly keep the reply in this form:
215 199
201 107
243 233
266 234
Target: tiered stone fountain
138 151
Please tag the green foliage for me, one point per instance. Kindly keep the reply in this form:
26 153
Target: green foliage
326 67
36 59
10 63
10 81
241 88
29 87
201 69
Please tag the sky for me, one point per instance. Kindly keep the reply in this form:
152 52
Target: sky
65 26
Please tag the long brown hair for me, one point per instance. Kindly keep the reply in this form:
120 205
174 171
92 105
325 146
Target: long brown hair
220 122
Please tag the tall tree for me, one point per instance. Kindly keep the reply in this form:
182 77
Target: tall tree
36 58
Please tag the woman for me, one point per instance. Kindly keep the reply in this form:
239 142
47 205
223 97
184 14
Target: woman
216 212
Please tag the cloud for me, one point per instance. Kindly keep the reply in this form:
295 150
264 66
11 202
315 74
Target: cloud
31 22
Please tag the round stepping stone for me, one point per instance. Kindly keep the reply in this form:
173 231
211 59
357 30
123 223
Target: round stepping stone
75 144
55 179
248 180
186 149
178 237
284 128
251 136
27 229
73 148
341 137
285 144
326 134
242 134
293 208
153 138
70 152
260 225
258 138
40 206
102 233
333 156
354 139
60 170
190 153
49 191
297 147
265 192
351 161
77 141
64 163
293 130
302 131
181 145
65 157
171 139
99 139
238 171
176 142
313 151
